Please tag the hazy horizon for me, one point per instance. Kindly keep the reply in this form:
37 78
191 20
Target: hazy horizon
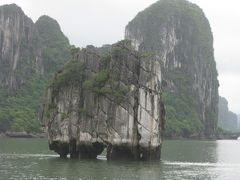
103 22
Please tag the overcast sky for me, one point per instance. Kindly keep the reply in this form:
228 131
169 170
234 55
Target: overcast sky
99 22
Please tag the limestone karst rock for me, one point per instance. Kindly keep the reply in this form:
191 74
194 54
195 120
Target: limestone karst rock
111 97
227 120
180 34
112 100
23 45
30 53
17 46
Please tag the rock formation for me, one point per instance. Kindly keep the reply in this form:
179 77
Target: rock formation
111 97
17 46
30 53
23 45
110 100
227 120
180 34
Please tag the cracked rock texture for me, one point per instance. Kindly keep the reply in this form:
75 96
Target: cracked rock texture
107 100
17 46
30 53
26 48
180 34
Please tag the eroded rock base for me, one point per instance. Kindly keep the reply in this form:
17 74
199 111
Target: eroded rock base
114 152
82 151
61 148
122 152
133 153
150 153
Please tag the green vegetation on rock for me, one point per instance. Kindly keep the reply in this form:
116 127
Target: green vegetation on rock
55 44
20 112
182 117
97 83
100 83
72 73
44 52
180 34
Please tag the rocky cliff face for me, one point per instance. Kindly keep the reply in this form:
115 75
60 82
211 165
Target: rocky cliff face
25 46
179 33
227 120
53 43
112 100
29 55
17 46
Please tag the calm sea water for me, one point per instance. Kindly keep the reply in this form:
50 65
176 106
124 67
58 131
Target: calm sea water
31 159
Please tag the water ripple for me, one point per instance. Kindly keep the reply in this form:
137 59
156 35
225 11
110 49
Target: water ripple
205 164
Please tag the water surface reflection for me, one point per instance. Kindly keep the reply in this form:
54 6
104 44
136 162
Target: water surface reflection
31 159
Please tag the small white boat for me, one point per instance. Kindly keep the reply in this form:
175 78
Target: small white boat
238 138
